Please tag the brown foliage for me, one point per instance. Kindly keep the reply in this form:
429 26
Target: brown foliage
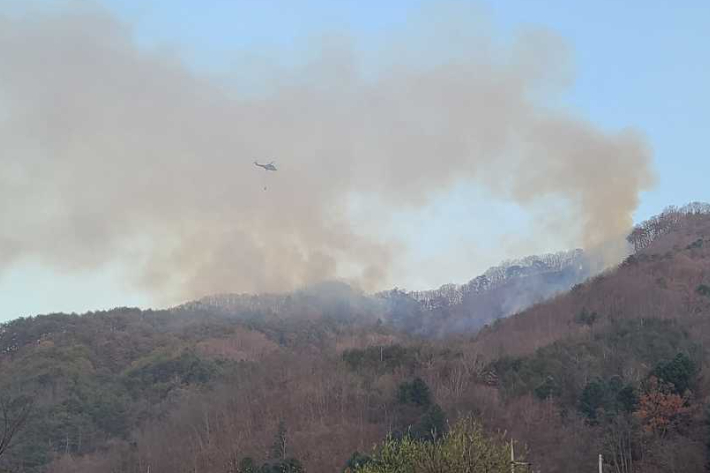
660 409
660 281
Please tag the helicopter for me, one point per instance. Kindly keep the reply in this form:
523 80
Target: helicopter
267 167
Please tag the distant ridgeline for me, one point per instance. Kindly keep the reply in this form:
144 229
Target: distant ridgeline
330 296
497 276
453 308
239 302
499 292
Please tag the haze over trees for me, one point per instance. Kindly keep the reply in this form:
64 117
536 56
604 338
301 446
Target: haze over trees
331 379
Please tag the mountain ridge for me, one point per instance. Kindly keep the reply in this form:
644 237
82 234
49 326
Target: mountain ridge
523 273
127 389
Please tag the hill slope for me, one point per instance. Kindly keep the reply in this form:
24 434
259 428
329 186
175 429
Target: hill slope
614 366
664 279
452 309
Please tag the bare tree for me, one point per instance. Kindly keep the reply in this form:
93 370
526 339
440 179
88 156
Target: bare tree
14 414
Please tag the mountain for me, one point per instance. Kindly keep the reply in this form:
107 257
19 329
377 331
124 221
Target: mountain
499 292
663 279
312 380
509 272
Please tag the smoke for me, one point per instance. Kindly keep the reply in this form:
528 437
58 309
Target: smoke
113 152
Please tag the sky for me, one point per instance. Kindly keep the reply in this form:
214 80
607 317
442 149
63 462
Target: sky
640 64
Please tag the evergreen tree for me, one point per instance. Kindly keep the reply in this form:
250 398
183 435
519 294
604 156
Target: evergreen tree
415 392
679 372
432 424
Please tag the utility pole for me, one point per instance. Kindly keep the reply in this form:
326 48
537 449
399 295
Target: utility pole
600 463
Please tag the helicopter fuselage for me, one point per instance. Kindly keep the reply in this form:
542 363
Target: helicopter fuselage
268 167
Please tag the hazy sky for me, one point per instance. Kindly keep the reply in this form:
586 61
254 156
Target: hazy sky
643 64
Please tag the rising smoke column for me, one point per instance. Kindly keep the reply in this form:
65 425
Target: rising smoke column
112 152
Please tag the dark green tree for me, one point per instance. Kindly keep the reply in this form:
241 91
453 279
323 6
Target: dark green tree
610 397
287 465
627 399
586 318
548 388
415 392
593 398
247 465
292 465
356 461
680 372
703 290
431 425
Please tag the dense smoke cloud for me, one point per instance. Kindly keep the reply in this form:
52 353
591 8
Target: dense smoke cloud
112 152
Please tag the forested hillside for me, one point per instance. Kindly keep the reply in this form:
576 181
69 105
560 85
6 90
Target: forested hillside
329 378
449 310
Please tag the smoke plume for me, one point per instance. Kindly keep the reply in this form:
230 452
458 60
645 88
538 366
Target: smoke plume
109 151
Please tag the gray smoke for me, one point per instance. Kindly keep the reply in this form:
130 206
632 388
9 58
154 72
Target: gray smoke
112 152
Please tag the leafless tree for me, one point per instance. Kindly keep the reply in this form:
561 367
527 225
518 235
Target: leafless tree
14 413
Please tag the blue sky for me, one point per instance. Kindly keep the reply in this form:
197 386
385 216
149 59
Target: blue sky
644 64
